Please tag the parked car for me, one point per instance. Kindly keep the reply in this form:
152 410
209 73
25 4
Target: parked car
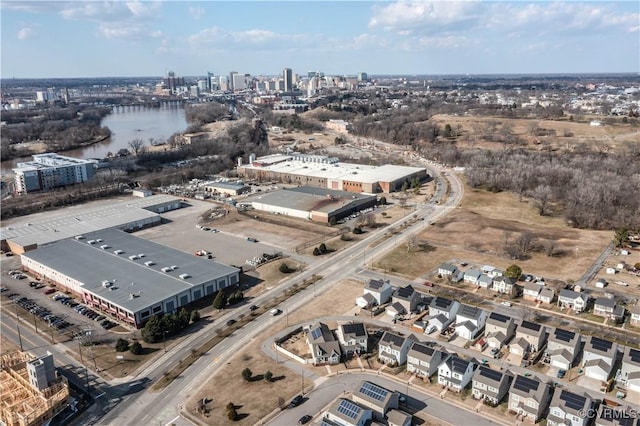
297 400
231 322
304 419
253 307
275 312
252 240
50 290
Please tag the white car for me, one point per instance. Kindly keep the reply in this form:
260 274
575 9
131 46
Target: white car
506 304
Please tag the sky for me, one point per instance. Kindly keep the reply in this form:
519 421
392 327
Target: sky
42 39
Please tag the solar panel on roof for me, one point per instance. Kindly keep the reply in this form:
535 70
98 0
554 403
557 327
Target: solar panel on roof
572 400
490 374
349 409
601 344
459 365
373 391
442 302
422 348
525 384
357 329
634 354
316 333
530 325
499 317
564 335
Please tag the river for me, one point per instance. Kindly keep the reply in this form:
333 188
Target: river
126 125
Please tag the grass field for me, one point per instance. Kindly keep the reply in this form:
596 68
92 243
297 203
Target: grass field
476 231
258 398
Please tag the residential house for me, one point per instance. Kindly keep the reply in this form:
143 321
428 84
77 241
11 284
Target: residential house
491 385
547 295
366 301
472 276
353 338
380 290
562 348
605 307
376 398
572 300
443 312
399 418
635 315
395 310
393 348
598 358
324 347
470 321
504 285
407 297
529 398
499 329
447 270
485 281
630 369
530 338
569 409
612 414
455 373
343 412
531 291
423 360
491 271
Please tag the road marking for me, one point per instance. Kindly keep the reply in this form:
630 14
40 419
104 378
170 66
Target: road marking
173 420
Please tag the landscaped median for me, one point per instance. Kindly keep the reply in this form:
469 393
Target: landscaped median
226 331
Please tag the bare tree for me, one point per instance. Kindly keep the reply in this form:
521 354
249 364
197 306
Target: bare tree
542 194
549 247
412 243
136 146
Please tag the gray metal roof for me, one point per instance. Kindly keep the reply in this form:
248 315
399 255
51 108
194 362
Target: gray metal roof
91 265
312 199
42 229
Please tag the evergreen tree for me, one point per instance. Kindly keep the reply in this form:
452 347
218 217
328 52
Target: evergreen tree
220 300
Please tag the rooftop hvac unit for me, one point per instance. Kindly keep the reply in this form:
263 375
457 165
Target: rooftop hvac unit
141 255
184 276
99 240
166 269
107 284
80 237
149 263
133 257
91 242
118 251
104 247
174 267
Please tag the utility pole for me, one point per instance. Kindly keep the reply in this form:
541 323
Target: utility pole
164 343
18 325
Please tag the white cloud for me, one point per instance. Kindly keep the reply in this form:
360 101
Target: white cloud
116 31
27 32
216 38
427 16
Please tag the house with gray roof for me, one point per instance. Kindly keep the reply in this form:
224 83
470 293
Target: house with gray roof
530 338
443 312
380 290
376 398
499 329
447 270
423 360
490 385
407 297
547 295
531 290
569 409
504 285
485 281
470 321
471 276
599 357
399 418
455 373
630 369
393 348
572 300
606 307
634 319
324 347
353 338
611 414
529 398
562 348
344 412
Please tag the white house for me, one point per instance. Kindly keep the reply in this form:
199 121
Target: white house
630 369
408 297
423 360
344 412
353 338
380 290
635 315
324 347
447 270
547 295
393 348
531 290
455 373
469 321
504 285
485 281
472 276
568 409
605 307
599 357
443 312
572 300
376 398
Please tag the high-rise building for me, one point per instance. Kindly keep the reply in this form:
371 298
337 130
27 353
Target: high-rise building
232 75
287 76
210 77
362 76
239 82
172 82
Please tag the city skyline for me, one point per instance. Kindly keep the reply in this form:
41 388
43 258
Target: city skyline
108 39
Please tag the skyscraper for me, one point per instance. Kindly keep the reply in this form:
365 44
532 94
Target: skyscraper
287 76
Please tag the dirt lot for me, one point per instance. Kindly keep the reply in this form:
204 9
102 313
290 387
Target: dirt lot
258 398
568 135
476 232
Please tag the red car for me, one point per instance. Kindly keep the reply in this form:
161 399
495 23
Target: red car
49 290
428 283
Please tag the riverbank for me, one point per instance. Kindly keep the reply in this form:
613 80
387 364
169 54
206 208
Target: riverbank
24 150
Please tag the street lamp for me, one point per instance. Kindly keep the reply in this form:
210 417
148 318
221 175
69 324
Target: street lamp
164 343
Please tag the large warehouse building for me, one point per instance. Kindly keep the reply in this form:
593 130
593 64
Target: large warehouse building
330 173
132 214
128 277
317 204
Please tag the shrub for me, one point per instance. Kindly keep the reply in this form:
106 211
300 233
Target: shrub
358 230
195 316
220 301
316 252
136 348
268 376
247 374
284 268
122 345
322 248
